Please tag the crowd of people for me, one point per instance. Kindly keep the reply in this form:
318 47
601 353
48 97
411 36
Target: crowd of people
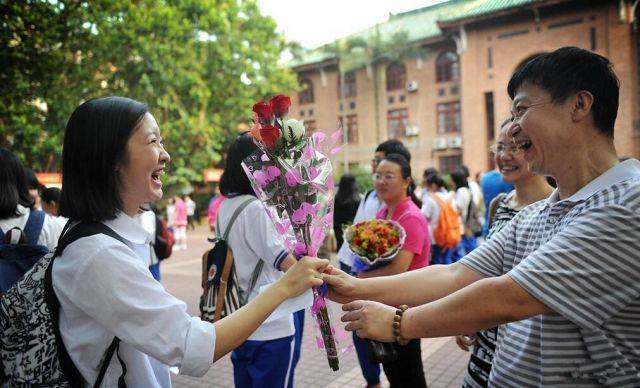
535 276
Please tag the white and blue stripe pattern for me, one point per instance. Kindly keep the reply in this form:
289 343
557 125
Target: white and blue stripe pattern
581 258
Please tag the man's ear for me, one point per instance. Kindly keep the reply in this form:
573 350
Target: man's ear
581 105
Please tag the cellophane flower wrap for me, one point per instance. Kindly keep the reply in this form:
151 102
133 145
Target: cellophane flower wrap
374 243
292 175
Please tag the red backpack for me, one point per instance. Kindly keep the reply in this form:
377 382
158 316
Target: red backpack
163 245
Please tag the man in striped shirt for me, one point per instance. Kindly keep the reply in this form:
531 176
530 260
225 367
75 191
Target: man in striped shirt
562 278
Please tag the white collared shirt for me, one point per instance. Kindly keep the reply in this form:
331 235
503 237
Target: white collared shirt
369 206
50 229
105 290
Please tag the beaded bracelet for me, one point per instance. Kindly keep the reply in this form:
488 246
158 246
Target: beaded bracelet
396 325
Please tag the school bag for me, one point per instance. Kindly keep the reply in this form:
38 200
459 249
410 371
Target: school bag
32 353
221 294
447 231
472 224
19 250
163 245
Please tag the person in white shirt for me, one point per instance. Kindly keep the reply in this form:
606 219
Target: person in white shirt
463 196
266 359
112 161
147 220
16 202
191 211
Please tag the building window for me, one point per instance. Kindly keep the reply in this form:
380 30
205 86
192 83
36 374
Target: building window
592 36
351 128
352 105
489 57
397 121
447 67
396 76
349 86
310 125
302 113
449 119
306 92
490 123
449 164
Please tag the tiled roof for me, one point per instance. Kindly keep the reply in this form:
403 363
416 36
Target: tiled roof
419 24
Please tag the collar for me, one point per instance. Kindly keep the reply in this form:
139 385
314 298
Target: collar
400 209
129 228
622 171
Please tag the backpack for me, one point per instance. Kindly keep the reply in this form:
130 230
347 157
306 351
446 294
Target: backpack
19 250
447 231
221 294
32 353
163 245
472 225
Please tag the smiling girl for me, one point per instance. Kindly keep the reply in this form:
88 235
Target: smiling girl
112 162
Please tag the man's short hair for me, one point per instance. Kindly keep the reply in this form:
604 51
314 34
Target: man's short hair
569 70
394 146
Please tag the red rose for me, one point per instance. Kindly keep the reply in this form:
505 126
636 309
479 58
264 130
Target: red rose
264 112
280 105
269 135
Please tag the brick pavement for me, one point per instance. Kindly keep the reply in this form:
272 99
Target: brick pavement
444 363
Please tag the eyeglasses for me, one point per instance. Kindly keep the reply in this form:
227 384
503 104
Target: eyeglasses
384 178
501 149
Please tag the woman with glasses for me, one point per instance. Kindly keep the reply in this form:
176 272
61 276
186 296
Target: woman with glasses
529 188
395 188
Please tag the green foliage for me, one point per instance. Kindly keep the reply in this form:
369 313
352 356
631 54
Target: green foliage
199 64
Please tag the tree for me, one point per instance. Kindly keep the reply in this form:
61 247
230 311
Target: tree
199 64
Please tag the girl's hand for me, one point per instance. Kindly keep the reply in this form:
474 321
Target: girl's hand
304 274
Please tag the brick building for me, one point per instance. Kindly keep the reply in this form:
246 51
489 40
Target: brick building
436 77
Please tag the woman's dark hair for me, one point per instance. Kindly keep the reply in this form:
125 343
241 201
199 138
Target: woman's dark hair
13 185
347 190
50 194
569 70
32 180
234 180
95 144
435 179
405 168
394 146
459 179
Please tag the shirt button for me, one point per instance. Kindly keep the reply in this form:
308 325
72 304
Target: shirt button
552 220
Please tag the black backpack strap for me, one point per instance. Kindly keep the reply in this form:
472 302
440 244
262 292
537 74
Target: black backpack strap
69 235
367 195
108 355
34 225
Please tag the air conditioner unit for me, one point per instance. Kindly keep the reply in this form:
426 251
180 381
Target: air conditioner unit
440 143
411 130
412 86
455 142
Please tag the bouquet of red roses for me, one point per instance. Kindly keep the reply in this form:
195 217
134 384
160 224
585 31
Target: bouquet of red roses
374 243
292 175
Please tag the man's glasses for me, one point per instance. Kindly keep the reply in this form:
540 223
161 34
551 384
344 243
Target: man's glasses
502 149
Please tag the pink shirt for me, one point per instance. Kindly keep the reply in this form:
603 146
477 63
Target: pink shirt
213 209
415 225
180 213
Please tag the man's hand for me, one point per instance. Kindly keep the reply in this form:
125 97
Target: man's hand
342 286
464 342
370 320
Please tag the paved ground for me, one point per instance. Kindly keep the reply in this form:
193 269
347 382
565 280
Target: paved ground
444 363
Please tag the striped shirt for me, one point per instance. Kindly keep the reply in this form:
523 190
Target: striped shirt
579 257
